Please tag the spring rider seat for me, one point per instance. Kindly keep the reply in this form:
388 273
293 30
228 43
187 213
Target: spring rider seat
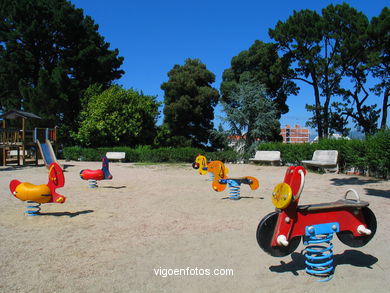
279 233
221 180
35 195
96 175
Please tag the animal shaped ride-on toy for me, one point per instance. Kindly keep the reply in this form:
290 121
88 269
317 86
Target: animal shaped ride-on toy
35 195
221 180
96 175
279 233
200 164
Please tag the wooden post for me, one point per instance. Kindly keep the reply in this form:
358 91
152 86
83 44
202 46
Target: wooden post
23 141
4 142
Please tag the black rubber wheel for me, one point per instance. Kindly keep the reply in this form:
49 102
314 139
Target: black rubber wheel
347 237
264 234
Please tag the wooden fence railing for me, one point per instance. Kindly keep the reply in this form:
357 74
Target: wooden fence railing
10 136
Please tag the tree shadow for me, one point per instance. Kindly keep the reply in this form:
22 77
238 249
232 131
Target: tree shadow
353 181
68 214
377 192
349 257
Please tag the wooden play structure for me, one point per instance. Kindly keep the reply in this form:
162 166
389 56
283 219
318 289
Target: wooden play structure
19 144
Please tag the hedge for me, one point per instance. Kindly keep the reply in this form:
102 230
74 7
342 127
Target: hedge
147 154
370 157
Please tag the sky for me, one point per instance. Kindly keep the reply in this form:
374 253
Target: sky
154 35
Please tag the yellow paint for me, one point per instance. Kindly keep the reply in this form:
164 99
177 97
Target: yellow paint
202 161
60 200
38 193
282 196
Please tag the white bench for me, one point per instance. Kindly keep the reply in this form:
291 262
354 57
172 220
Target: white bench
14 153
324 159
266 156
120 156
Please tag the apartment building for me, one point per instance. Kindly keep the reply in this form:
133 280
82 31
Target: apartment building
295 134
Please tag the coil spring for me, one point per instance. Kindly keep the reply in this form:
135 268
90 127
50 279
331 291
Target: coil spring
92 183
33 208
234 189
211 176
319 256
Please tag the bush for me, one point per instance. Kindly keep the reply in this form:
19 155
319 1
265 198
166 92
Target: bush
370 156
378 158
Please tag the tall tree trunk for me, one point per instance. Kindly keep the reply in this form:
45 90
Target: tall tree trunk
318 110
384 108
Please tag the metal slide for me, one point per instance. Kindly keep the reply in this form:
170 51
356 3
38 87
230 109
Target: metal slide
47 152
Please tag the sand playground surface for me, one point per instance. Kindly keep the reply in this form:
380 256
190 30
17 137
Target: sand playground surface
152 219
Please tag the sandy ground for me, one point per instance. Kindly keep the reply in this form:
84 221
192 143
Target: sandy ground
153 218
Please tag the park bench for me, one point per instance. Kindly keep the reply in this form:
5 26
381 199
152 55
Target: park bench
120 156
272 157
323 159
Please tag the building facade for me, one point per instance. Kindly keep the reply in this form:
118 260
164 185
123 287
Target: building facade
295 134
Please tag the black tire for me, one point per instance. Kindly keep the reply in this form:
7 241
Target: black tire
265 232
347 237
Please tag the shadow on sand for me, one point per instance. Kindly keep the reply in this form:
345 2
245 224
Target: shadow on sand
377 192
353 181
349 257
67 214
114 187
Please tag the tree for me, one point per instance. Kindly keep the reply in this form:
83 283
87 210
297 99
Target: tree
313 44
252 115
353 61
49 54
379 46
260 63
189 102
117 117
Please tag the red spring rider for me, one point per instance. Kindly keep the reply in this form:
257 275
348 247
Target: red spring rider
279 233
96 175
35 195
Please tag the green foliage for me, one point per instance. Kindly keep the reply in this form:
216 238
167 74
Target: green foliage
378 157
189 103
229 156
262 64
379 57
252 114
117 117
49 54
147 154
323 50
370 156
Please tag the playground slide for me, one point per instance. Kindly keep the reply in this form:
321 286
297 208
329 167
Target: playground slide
47 152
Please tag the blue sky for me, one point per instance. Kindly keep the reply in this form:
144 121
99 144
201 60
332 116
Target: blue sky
154 35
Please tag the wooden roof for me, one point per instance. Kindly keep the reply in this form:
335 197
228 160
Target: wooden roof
13 114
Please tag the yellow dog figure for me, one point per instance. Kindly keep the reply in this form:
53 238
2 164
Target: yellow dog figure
221 180
200 164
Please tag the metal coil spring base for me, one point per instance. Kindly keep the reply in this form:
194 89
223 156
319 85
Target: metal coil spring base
92 183
234 189
33 208
319 256
211 177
